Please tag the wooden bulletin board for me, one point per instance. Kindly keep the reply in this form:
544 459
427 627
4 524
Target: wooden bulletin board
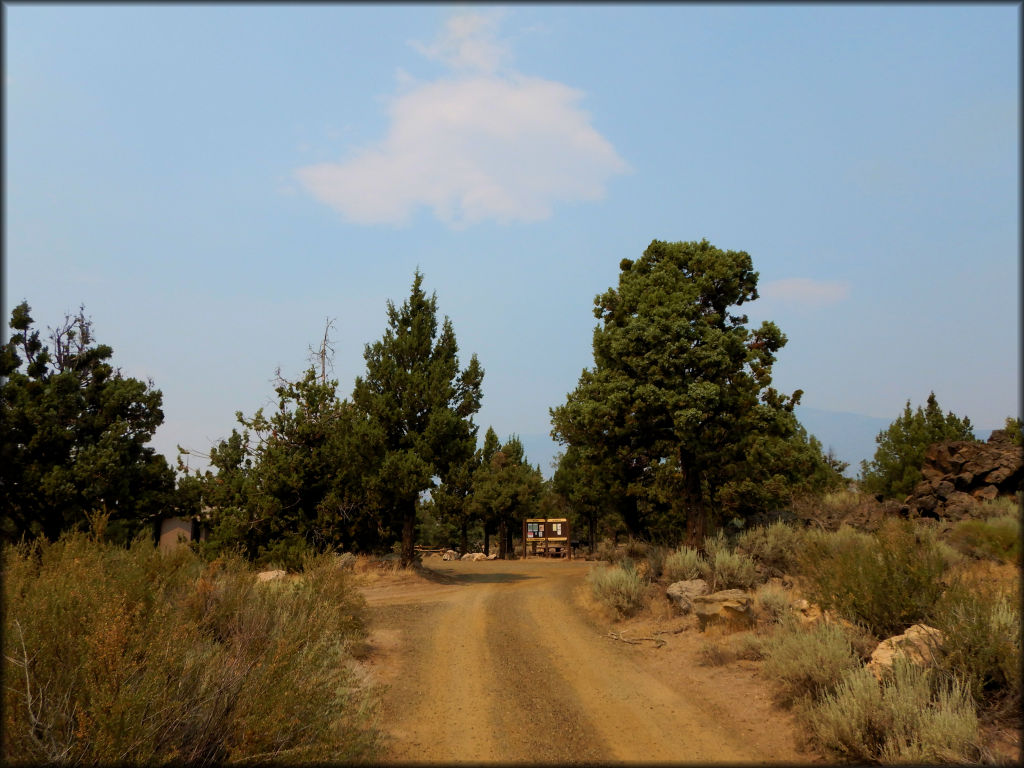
547 536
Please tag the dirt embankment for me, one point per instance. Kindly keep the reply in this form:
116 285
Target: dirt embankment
504 662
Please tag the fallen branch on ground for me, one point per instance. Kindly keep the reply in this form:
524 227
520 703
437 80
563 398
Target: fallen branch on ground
675 631
636 640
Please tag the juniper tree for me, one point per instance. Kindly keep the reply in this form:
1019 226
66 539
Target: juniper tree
896 466
74 435
679 399
422 404
506 488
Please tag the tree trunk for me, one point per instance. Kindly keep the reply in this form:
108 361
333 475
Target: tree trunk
408 534
510 551
464 540
592 520
696 515
502 538
487 538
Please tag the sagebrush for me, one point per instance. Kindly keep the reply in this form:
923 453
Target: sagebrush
885 582
620 588
161 658
913 716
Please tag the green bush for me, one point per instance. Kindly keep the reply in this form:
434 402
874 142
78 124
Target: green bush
729 570
912 717
996 538
774 546
682 565
115 655
885 582
808 663
619 588
714 544
772 603
982 643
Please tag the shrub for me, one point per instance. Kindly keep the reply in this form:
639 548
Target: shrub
982 642
808 663
1001 506
749 646
997 538
912 717
729 570
621 589
885 582
635 549
772 603
119 655
606 551
714 544
656 560
774 546
682 565
722 651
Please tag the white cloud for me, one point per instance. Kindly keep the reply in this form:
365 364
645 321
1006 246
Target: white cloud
473 146
469 43
804 291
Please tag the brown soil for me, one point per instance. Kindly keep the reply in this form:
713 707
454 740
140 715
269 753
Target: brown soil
510 662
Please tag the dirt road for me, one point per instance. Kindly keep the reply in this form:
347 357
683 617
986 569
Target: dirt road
502 662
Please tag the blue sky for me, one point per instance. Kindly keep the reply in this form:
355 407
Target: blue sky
212 182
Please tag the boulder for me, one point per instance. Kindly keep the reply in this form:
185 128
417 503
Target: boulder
451 554
474 556
492 556
807 612
986 493
918 644
681 593
730 606
270 575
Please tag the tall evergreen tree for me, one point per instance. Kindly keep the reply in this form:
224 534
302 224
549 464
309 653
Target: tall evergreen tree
505 489
680 393
590 491
452 501
301 483
74 435
896 466
423 405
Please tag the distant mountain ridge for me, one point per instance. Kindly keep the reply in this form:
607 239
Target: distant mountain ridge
851 436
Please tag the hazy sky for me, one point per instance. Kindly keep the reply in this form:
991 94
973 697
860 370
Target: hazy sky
212 182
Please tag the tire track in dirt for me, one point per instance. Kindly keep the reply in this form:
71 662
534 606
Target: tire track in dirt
643 719
498 663
536 714
445 719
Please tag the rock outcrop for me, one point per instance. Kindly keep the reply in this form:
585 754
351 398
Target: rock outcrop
682 593
919 644
957 475
730 606
451 554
